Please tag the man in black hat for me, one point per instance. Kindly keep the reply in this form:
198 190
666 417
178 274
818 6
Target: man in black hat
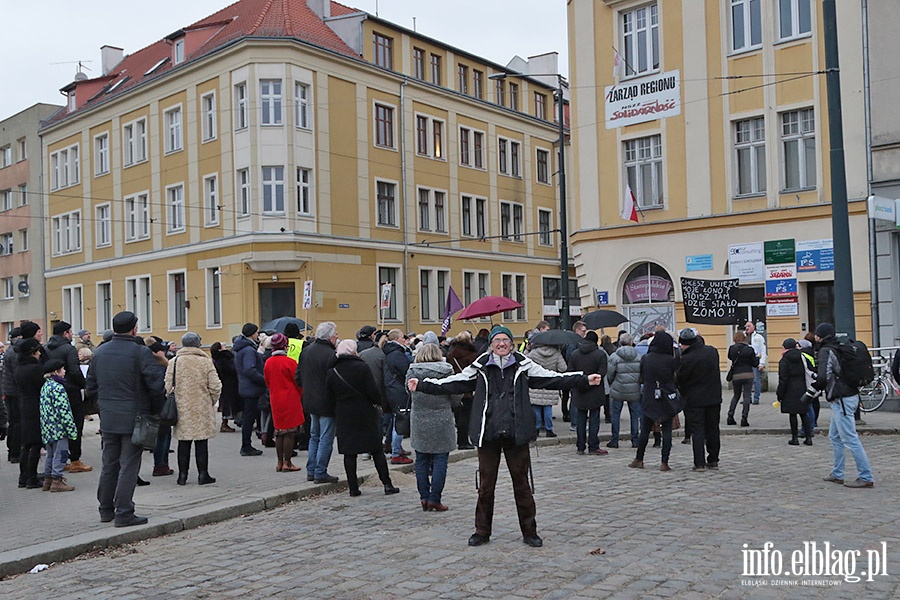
364 339
11 397
251 383
701 386
60 346
123 376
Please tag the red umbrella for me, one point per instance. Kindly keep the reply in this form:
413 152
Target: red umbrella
489 305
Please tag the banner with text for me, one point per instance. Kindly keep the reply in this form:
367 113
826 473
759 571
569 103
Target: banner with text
642 100
710 302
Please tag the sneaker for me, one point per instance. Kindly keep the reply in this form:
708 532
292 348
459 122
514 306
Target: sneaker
326 479
612 444
401 460
599 452
251 451
859 483
833 479
700 468
572 427
550 434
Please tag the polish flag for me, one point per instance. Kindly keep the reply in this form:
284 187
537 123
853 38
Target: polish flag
618 62
629 211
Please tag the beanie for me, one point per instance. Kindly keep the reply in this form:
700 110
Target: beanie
825 330
498 329
249 329
53 365
27 346
591 336
687 336
107 335
789 344
278 341
190 340
365 331
29 329
60 328
292 330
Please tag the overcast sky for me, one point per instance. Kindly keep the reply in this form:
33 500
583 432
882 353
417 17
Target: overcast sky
38 34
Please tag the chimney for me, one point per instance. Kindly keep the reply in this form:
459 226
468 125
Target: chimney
322 8
110 57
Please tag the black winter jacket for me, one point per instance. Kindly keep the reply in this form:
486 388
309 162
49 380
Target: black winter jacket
30 379
59 347
353 401
829 367
699 379
315 360
249 365
792 382
657 368
743 358
396 364
588 358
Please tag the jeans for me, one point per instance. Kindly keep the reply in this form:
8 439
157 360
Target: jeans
757 385
634 412
810 421
321 444
587 419
743 388
118 475
543 417
57 455
842 433
248 420
396 441
431 474
163 442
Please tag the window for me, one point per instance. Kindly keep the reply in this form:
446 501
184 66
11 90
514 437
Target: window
177 301
419 63
6 158
211 200
6 200
464 157
6 244
23 240
270 101
750 153
174 138
435 69
514 287
9 288
137 217
794 18
23 194
798 136
514 158
514 95
478 149
384 126
103 223
421 134
429 136
384 51
72 306
471 148
746 24
208 106
241 114
640 37
301 105
22 143
273 190
387 206
389 275
540 105
432 214
473 216
101 154
134 142
543 166
478 84
462 73
175 209
304 201
64 168
425 294
66 230
243 198
179 51
508 159
512 220
433 284
104 306
544 227
644 169
138 300
475 285
502 155
501 91
213 297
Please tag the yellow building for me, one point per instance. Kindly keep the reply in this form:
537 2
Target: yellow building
714 115
202 181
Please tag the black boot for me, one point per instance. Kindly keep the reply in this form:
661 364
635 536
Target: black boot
350 470
205 478
201 449
807 441
182 478
794 440
184 461
730 421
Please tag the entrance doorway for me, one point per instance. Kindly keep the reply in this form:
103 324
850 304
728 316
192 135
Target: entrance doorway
277 300
820 303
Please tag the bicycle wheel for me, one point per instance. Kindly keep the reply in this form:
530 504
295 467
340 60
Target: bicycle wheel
872 396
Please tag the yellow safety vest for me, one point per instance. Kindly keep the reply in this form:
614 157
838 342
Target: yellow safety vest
295 347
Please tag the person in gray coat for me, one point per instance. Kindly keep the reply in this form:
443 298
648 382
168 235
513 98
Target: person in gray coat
624 378
542 401
432 426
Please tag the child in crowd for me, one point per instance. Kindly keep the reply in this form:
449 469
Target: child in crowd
57 426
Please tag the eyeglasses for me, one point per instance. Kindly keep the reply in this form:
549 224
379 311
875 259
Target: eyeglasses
501 341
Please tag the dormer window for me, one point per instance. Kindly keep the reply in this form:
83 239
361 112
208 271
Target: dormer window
71 98
179 51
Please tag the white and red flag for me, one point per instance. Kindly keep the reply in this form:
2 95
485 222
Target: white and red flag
629 210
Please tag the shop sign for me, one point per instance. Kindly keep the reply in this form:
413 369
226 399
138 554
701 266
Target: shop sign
651 288
745 261
815 255
779 251
781 288
782 308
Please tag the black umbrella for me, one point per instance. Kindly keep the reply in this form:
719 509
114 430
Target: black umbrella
279 324
603 318
555 337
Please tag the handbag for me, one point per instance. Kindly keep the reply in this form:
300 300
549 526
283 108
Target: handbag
401 417
169 413
671 401
146 429
730 373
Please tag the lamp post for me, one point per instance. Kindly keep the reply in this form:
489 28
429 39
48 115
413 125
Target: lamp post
564 316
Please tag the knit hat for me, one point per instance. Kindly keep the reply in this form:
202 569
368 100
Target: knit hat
431 337
591 336
825 330
61 327
53 365
107 335
279 341
346 348
83 332
789 344
27 346
15 332
498 329
124 322
805 344
249 329
687 336
29 329
662 342
190 340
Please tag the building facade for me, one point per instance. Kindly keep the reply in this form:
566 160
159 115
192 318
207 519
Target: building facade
714 115
275 144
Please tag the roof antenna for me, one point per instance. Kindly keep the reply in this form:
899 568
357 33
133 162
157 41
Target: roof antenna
376 8
80 74
414 23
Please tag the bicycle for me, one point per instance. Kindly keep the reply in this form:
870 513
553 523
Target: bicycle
873 395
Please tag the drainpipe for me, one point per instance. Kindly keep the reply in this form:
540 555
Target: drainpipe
873 248
402 136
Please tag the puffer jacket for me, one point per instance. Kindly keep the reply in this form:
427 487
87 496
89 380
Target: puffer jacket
59 347
550 358
589 358
396 364
624 375
57 421
792 382
432 426
197 388
249 365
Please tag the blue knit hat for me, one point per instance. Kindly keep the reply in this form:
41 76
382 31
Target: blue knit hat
498 329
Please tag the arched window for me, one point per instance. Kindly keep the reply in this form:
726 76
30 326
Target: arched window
647 283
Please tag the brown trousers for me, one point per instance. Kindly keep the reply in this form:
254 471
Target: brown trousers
518 460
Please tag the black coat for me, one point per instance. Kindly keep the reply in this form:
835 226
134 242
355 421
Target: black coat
743 358
657 368
227 371
30 380
699 380
396 364
315 360
792 382
59 347
588 358
354 405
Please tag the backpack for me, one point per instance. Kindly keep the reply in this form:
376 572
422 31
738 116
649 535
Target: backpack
856 364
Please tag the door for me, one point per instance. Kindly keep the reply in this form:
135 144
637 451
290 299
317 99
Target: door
277 300
820 303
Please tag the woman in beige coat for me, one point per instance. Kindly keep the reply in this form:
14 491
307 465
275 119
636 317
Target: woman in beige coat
197 388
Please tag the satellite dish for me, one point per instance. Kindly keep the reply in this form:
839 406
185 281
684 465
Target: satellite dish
23 287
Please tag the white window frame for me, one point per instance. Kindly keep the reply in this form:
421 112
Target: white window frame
65 170
435 137
137 217
392 132
547 164
73 306
476 285
515 286
23 240
213 297
509 157
749 141
473 219
396 312
66 232
9 288
273 184
139 300
301 105
271 102
211 208
175 209
241 104
540 105
134 142
644 155
432 295
178 51
513 229
641 19
22 144
209 116
750 11
545 234
802 128
23 194
476 151
432 214
173 117
304 192
104 312
244 195
513 90
103 221
6 156
7 245
172 302
794 8
395 186
6 200
101 154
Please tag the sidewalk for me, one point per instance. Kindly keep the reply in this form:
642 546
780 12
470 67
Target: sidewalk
44 527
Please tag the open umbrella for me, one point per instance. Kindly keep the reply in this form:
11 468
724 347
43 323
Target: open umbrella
279 324
603 318
487 306
555 337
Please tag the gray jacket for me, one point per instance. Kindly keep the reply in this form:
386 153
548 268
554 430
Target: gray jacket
432 426
551 358
624 375
374 357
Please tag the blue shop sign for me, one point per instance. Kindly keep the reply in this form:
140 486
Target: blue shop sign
781 288
699 262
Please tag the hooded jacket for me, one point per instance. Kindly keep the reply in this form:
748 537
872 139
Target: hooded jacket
657 369
829 369
588 358
699 379
550 358
624 375
249 366
792 382
59 347
396 364
432 426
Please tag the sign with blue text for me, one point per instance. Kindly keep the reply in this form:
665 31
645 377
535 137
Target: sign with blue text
698 262
602 297
815 255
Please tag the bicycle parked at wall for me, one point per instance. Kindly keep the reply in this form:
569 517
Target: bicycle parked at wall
872 396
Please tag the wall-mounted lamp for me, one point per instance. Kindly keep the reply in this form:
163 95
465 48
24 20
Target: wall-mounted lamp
275 278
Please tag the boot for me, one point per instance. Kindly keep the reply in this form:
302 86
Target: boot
47 482
60 485
225 428
664 467
182 478
636 464
201 449
794 440
730 421
390 489
807 441
205 478
745 423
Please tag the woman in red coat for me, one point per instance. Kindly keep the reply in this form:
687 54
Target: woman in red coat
284 397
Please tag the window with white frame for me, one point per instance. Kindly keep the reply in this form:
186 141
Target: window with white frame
104 305
103 224
9 288
436 69
177 300
301 105
462 73
175 209
23 240
794 18
514 287
64 167
473 211
174 137
384 125
429 136
139 300
514 95
6 244
211 200
750 155
66 231
209 116
543 166
241 111
243 195
545 225
22 143
433 284
386 200
6 156
213 297
465 156
640 39
508 157
101 154
746 25
73 306
304 193
6 200
23 194
644 170
798 138
273 190
390 275
432 210
179 51
512 220
478 84
270 101
134 142
471 148
500 91
137 217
